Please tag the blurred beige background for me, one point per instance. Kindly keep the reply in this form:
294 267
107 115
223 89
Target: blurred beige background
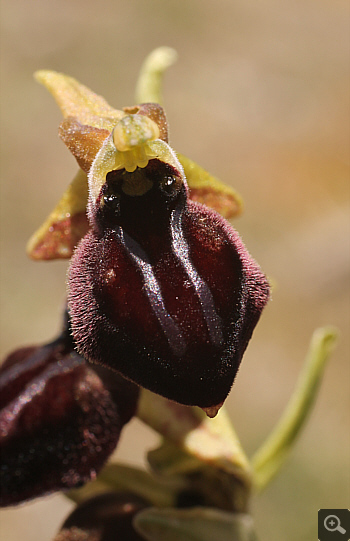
259 97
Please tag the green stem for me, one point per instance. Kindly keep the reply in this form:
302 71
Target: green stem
149 84
269 458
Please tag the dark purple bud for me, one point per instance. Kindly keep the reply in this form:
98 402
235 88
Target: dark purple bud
107 517
162 289
58 421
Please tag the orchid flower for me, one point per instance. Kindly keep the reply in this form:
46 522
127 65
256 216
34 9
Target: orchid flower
162 300
160 287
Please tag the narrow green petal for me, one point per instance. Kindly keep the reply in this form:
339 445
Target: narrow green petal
273 453
149 84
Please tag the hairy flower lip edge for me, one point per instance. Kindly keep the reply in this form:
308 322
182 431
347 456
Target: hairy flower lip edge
254 297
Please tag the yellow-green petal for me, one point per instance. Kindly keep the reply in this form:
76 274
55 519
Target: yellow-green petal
149 84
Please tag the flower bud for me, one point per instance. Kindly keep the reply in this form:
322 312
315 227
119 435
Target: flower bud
106 517
58 421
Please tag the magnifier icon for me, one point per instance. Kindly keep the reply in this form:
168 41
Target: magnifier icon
332 524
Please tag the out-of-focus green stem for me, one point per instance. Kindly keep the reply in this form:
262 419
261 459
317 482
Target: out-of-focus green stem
194 445
149 84
208 440
269 458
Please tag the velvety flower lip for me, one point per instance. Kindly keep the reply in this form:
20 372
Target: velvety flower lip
58 421
162 289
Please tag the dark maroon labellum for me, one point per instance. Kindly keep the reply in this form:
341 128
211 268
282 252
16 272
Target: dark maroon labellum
163 290
58 423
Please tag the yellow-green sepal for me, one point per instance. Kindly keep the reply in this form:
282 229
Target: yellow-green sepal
209 190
